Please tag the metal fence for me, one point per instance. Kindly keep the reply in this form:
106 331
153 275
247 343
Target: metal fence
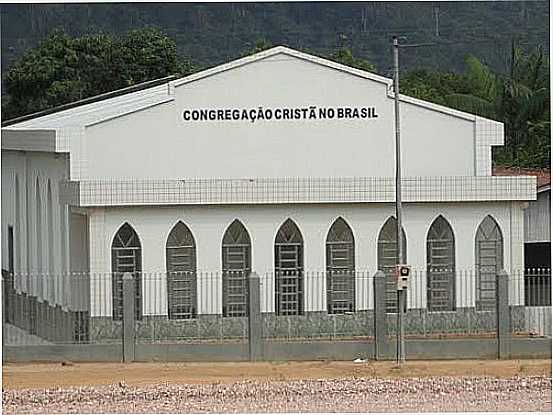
294 306
317 305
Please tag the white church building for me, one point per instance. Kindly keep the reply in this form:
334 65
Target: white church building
280 163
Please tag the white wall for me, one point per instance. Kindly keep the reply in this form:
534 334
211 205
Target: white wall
158 143
37 251
537 219
208 224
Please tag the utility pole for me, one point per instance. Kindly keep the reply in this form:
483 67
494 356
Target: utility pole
400 293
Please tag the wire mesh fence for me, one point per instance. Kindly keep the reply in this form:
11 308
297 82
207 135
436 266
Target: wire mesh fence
534 291
317 305
445 302
295 305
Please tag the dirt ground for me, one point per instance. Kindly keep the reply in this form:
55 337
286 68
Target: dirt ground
49 375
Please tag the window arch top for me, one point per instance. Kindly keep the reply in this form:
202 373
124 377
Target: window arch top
440 230
388 232
180 236
340 231
236 234
126 237
289 233
489 230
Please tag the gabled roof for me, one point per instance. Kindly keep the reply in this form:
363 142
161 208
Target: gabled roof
89 100
277 50
326 63
99 110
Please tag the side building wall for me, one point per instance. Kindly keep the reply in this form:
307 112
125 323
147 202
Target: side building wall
208 225
537 219
32 213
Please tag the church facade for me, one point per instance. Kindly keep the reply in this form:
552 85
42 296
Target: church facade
280 163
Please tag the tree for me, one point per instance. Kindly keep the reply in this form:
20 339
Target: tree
519 99
433 86
63 69
260 45
524 108
481 96
345 57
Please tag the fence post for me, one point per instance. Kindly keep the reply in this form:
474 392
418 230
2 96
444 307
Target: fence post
254 318
380 319
5 299
5 305
503 315
129 298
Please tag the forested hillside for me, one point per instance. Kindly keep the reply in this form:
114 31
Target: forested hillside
210 33
486 58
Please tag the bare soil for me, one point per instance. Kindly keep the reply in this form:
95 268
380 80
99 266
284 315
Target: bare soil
49 375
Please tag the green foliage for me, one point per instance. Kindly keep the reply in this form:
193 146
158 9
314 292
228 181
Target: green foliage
63 69
260 46
433 86
524 107
345 57
520 100
482 81
471 103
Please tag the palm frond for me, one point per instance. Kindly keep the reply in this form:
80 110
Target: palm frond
482 80
472 104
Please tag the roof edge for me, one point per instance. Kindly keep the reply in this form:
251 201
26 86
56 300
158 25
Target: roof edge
275 51
111 94
329 64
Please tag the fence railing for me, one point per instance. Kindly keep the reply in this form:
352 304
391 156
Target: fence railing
294 305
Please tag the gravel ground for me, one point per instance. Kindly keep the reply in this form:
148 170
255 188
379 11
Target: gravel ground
438 394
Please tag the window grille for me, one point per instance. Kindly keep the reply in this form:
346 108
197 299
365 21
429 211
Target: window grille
489 261
125 257
289 270
236 269
181 273
537 287
387 259
440 256
340 268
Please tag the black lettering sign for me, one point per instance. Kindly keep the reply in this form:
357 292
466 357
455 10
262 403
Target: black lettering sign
263 114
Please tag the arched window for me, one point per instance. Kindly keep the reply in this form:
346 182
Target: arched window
488 247
126 256
50 249
236 269
340 268
289 270
387 259
38 222
440 261
180 256
17 226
